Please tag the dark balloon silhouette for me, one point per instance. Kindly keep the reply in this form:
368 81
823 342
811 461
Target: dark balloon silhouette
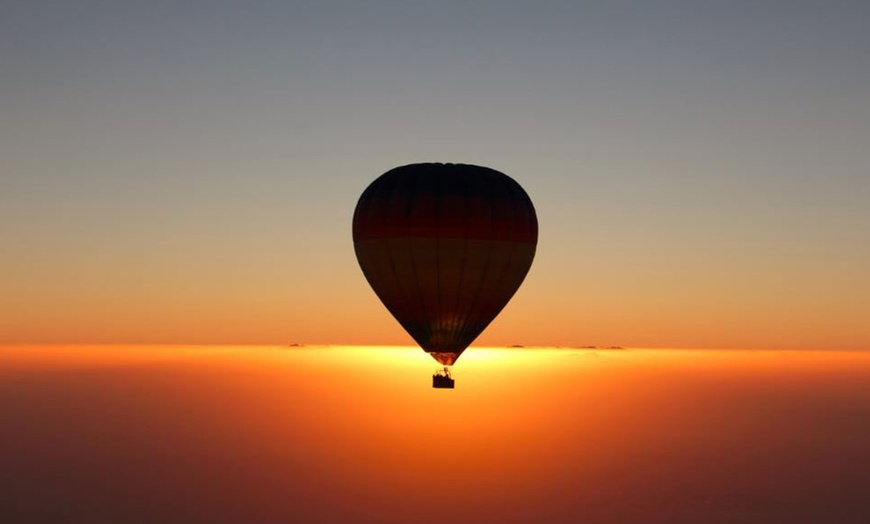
445 247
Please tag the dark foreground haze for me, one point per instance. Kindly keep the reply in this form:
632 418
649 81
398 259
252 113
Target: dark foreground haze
135 434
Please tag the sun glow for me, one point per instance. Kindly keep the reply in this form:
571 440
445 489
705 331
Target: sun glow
361 427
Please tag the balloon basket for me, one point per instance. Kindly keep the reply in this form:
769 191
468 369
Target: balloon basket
442 379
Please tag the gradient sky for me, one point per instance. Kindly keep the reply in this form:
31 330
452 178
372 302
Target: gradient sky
187 172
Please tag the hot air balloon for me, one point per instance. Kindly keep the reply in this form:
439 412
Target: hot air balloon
444 247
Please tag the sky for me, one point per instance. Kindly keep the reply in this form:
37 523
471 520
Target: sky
187 172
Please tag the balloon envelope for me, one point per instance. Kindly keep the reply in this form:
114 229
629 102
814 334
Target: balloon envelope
445 247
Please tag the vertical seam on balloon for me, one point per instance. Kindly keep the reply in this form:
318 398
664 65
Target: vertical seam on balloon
437 319
376 269
507 184
457 321
463 333
373 273
389 243
416 274
511 252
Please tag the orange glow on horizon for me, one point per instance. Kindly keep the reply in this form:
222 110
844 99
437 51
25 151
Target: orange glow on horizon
329 431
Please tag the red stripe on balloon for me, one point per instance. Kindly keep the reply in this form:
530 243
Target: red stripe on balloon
441 231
